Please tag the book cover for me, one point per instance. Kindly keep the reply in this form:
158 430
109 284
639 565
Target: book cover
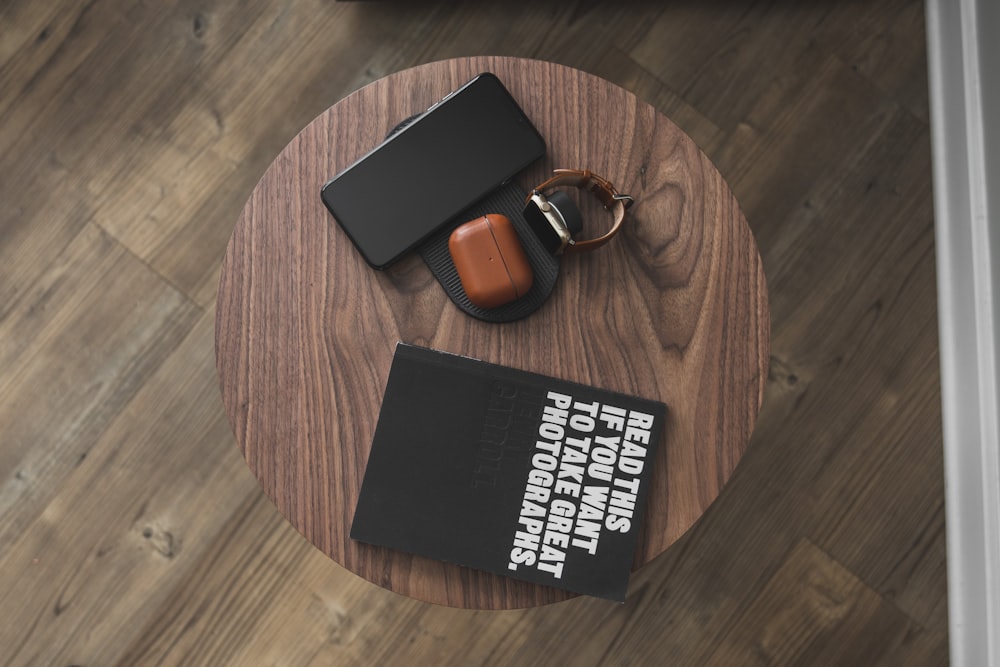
510 472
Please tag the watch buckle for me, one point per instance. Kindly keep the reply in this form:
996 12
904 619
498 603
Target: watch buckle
628 200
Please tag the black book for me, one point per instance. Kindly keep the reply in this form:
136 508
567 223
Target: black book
510 472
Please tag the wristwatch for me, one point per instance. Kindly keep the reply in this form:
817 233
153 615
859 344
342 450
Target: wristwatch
554 218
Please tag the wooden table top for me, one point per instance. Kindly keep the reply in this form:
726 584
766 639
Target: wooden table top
674 309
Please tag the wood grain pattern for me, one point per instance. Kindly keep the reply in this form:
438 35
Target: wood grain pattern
115 449
676 311
805 613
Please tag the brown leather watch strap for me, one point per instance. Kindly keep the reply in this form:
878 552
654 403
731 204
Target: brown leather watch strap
612 200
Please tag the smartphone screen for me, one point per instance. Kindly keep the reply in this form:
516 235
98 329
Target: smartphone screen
419 179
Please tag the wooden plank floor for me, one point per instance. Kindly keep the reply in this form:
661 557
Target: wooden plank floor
131 531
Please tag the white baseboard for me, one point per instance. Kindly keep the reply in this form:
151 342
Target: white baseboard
963 38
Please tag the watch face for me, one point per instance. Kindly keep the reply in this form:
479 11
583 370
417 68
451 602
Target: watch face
542 227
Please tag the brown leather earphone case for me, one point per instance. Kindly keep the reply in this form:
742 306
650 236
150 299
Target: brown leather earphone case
490 260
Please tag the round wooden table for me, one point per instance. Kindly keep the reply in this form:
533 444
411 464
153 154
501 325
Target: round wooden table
674 309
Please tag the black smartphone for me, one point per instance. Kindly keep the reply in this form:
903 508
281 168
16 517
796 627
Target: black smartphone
420 178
